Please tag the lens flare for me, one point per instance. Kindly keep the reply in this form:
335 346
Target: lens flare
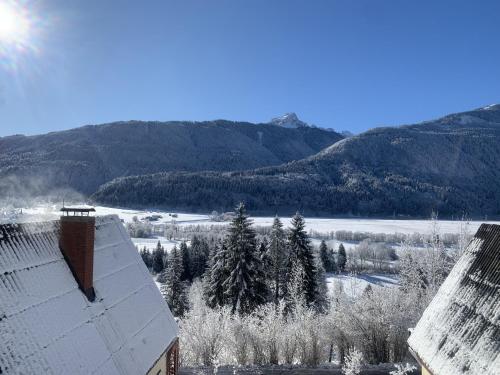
19 35
14 24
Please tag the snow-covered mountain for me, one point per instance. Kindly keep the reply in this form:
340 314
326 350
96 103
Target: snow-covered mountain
86 157
289 120
450 165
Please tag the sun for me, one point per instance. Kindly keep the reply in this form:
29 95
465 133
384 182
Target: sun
14 23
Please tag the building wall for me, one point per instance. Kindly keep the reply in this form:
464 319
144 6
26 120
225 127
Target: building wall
160 367
425 372
168 363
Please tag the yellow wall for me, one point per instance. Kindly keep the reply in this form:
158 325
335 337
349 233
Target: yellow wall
160 365
425 372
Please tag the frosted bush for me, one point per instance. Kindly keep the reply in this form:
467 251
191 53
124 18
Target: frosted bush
203 331
353 363
403 369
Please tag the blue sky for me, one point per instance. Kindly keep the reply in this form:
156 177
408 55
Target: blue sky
343 64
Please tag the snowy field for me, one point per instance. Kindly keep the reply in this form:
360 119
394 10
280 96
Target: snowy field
354 284
322 225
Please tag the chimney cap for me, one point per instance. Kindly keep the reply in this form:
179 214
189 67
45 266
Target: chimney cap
78 209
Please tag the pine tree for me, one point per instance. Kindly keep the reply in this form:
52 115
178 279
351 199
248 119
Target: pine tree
302 257
199 257
333 263
326 256
158 258
146 257
321 302
243 286
264 257
217 274
174 289
262 271
186 262
341 258
277 256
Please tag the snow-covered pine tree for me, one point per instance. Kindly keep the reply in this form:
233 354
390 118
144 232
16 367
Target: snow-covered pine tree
217 274
411 273
262 271
265 259
199 257
301 253
186 262
264 253
321 302
341 258
162 276
174 289
277 255
333 263
158 258
242 287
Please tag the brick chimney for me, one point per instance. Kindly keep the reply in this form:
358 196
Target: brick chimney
76 242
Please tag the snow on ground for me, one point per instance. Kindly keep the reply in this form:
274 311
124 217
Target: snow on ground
151 243
323 225
354 284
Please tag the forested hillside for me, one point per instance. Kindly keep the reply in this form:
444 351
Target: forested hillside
450 165
86 157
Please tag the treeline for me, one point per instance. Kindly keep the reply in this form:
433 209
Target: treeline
243 272
314 195
448 239
373 327
249 299
383 172
194 258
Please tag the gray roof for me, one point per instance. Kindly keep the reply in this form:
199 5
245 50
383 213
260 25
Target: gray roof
459 332
48 326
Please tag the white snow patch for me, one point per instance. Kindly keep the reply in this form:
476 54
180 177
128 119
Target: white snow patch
322 225
355 284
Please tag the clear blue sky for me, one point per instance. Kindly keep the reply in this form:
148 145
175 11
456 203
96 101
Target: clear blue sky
342 64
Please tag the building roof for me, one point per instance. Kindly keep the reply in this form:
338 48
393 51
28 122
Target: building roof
83 208
459 332
47 325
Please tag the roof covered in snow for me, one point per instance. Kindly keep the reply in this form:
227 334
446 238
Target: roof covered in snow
47 325
459 332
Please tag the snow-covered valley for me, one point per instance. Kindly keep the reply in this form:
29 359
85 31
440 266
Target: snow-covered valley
352 283
322 225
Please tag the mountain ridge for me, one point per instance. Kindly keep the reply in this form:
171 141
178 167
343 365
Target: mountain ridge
450 165
86 157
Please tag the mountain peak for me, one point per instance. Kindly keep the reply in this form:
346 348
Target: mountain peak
288 120
491 107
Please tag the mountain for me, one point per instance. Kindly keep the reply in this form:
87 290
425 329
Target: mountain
86 157
289 120
450 165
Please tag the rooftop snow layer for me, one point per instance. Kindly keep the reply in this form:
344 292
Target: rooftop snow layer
459 332
47 325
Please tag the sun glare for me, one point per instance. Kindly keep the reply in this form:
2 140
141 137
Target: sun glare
14 23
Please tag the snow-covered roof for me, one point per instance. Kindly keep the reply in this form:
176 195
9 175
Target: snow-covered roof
47 325
459 332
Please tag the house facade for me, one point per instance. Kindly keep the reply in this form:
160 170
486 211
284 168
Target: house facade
76 298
